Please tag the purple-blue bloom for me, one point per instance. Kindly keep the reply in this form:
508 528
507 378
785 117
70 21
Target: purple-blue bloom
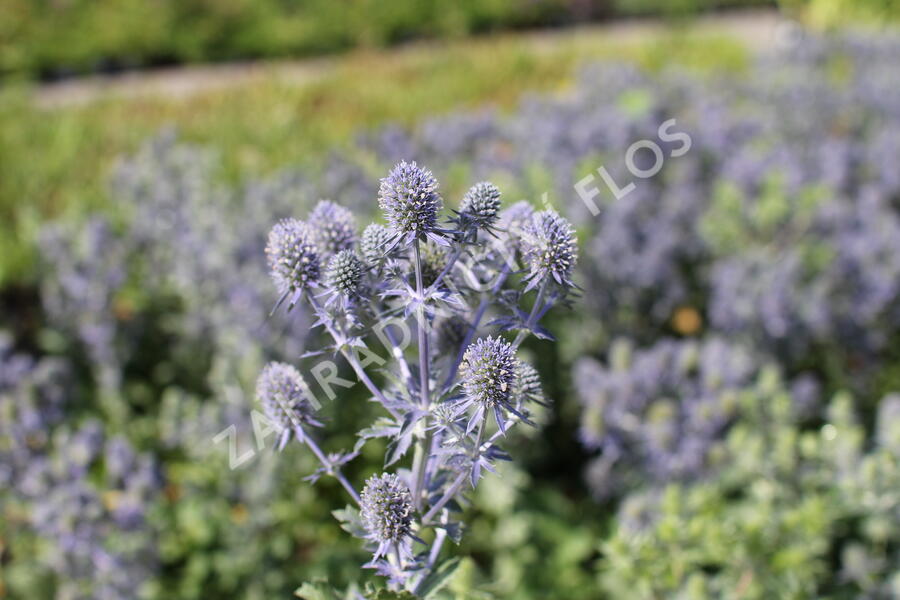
550 248
293 257
410 201
332 226
284 397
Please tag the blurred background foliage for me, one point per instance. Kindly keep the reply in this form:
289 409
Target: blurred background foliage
58 38
725 415
293 121
47 38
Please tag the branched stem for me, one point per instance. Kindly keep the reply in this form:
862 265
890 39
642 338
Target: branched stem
331 469
350 356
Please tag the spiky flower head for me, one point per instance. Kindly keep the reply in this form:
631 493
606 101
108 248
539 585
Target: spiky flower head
410 201
488 371
292 255
481 204
333 227
344 273
375 243
527 384
386 509
549 246
283 395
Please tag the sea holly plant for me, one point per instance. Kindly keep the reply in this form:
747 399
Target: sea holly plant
450 297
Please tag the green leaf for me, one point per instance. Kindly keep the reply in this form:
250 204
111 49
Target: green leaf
317 590
438 578
350 521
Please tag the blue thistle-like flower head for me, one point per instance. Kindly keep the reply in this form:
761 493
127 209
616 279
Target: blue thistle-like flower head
293 256
386 510
375 243
410 201
481 204
488 371
333 227
549 246
527 385
283 395
344 273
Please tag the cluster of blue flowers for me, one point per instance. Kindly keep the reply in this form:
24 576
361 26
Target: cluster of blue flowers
448 403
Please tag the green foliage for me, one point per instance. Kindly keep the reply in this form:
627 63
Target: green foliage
318 590
51 38
383 594
679 8
734 221
834 14
795 513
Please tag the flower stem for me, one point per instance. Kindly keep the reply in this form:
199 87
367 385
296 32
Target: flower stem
351 357
532 317
437 281
439 537
423 445
451 491
461 478
396 552
476 322
330 468
420 461
395 350
424 392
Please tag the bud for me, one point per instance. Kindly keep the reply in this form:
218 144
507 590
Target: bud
292 255
386 510
375 243
344 273
481 204
527 384
333 227
282 393
549 246
488 371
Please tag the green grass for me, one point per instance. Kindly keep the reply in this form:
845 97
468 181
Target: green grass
56 161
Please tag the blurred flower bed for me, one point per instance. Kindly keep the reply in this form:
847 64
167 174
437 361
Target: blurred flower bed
724 424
